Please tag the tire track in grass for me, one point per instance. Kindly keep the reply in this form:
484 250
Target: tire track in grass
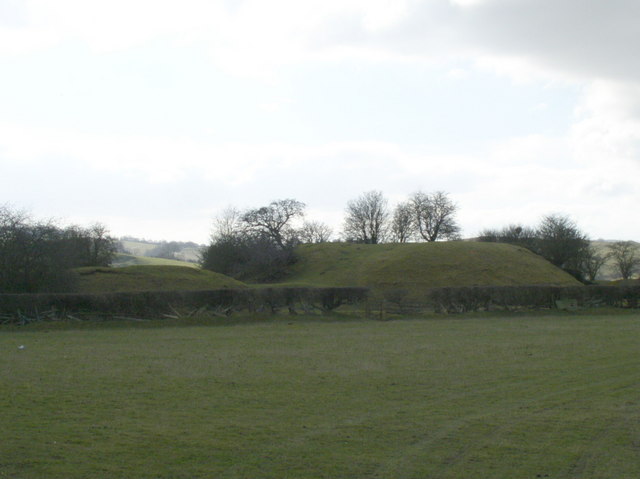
409 460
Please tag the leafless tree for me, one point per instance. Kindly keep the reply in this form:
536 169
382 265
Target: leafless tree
557 239
592 262
228 224
434 216
366 218
314 232
275 220
38 256
102 245
257 245
92 246
561 242
402 223
626 257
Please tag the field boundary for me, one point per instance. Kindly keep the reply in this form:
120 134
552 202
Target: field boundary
24 308
487 298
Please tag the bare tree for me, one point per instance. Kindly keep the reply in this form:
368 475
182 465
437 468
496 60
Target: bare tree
274 220
366 219
557 239
561 242
434 216
592 262
314 232
228 224
402 223
626 257
92 246
102 245
257 245
38 256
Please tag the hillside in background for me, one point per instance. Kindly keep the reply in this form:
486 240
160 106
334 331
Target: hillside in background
408 267
417 266
151 278
608 272
173 250
122 259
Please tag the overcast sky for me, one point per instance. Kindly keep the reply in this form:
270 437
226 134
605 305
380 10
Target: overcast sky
152 116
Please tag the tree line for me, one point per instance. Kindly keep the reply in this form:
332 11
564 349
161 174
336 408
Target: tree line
38 256
258 244
422 217
559 240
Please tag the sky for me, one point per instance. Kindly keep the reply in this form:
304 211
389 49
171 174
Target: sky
153 116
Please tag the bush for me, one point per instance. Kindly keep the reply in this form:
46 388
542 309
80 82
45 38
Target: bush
162 303
557 239
476 298
248 258
37 256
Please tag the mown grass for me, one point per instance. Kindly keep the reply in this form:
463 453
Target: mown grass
150 278
418 266
476 397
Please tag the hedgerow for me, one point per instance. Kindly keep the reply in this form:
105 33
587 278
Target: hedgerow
27 307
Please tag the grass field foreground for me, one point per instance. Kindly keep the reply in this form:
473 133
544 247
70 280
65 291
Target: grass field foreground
476 397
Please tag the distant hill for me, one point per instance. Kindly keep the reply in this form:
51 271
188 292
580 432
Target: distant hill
151 278
608 271
175 250
418 266
122 259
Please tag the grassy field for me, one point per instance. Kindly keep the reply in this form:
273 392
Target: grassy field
151 278
418 266
411 268
122 259
553 396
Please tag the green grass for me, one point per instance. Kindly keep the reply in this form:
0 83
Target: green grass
122 259
418 266
476 397
150 278
410 267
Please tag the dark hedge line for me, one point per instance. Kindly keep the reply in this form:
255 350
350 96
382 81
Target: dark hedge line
478 298
30 307
176 303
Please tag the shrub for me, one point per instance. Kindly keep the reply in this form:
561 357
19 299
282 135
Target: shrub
248 258
158 303
476 298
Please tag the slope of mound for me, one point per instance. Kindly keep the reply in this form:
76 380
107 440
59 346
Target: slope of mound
417 266
151 278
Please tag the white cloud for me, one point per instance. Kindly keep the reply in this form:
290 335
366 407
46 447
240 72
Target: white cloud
607 128
518 180
588 171
457 73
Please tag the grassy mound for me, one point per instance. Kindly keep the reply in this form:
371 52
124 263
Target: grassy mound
417 266
151 278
